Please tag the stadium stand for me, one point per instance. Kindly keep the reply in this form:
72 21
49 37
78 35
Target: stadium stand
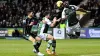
12 12
94 7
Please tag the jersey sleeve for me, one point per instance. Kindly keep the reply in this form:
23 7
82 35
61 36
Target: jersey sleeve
48 21
63 13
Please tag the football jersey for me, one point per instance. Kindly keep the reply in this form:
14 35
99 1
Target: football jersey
44 26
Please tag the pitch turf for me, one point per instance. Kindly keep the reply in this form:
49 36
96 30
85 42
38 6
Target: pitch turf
69 47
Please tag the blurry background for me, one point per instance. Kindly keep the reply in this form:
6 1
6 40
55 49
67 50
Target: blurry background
12 12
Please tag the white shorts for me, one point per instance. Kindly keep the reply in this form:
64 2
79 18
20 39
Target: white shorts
73 29
43 36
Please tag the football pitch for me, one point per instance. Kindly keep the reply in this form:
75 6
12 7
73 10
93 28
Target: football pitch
68 47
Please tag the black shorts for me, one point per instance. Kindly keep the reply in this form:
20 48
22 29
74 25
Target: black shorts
33 35
29 33
27 37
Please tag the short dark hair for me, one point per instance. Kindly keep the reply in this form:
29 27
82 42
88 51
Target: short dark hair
29 11
46 13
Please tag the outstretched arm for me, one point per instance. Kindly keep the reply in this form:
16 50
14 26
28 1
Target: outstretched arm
54 22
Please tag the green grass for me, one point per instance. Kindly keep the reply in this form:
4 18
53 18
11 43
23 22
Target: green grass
69 47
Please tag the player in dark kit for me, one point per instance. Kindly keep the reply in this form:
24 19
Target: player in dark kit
58 12
31 36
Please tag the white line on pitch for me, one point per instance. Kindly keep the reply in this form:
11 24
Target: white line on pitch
90 55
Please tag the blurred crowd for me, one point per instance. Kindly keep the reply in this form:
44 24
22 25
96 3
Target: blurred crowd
94 7
12 14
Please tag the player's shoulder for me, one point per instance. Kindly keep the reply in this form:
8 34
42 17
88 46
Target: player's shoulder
44 18
25 17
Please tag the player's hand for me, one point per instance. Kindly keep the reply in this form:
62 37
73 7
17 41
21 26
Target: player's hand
59 19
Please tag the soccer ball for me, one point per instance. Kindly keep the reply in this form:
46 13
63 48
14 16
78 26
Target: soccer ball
59 3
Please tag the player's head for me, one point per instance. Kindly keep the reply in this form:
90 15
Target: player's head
30 13
66 4
47 14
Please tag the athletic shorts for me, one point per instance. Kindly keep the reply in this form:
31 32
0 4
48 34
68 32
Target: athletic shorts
43 36
72 29
28 35
33 35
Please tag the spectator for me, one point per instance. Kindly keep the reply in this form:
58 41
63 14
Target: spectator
15 12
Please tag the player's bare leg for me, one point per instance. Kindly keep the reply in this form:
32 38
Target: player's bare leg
51 42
